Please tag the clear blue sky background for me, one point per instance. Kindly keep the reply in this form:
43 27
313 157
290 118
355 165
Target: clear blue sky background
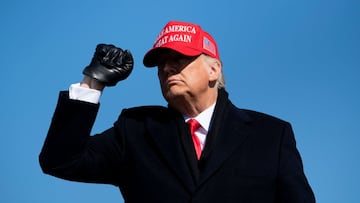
295 59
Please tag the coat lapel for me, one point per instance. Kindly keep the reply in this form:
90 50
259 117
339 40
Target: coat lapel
227 132
229 138
167 134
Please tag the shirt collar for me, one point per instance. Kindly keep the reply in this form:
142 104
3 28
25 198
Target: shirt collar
204 117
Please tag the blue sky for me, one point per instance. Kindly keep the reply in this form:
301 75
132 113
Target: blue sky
297 60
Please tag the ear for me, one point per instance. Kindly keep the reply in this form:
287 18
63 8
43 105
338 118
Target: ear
214 70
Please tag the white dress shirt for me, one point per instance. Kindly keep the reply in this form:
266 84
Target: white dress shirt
77 92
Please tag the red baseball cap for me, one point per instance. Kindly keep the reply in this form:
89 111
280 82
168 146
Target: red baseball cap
186 38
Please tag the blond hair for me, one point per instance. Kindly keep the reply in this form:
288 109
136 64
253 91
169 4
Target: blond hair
220 83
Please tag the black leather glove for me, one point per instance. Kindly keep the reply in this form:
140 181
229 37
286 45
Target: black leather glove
109 64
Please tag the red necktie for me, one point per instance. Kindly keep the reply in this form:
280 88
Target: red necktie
194 125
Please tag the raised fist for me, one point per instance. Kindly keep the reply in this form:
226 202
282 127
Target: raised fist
109 64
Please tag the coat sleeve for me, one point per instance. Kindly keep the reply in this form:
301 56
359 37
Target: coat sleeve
69 152
293 186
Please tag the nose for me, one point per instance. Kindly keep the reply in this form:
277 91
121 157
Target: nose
169 69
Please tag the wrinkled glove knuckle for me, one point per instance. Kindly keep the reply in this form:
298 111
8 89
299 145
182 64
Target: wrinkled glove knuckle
101 50
128 58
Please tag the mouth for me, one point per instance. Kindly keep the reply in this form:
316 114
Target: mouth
172 82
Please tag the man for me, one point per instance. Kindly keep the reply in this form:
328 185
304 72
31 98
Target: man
225 154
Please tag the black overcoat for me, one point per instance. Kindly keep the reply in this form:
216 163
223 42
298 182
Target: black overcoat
249 157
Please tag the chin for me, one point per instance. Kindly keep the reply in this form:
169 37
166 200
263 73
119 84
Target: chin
171 95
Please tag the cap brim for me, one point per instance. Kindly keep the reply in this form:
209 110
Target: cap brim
151 58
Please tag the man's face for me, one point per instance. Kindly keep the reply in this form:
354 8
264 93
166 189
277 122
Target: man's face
183 77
